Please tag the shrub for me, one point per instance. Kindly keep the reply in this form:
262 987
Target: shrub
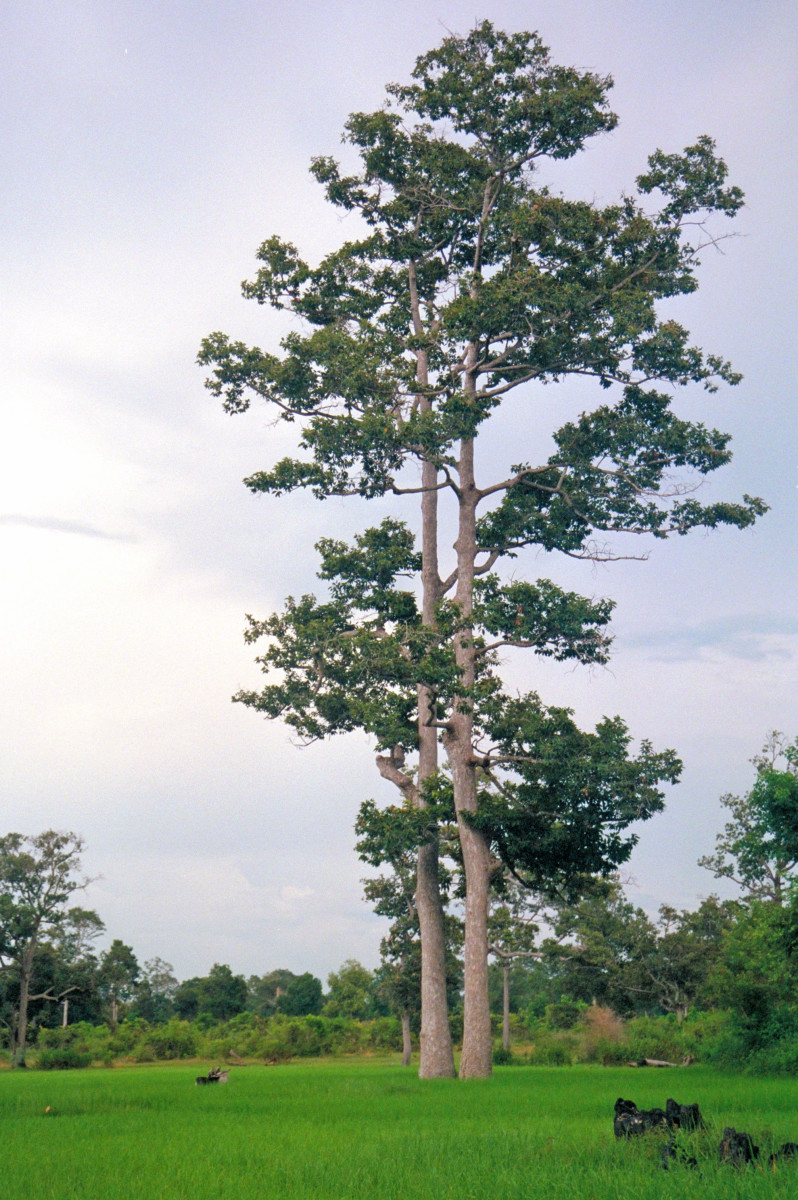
656 1037
299 1037
384 1033
63 1058
82 1038
505 1058
175 1039
604 1038
564 1014
552 1054
127 1033
346 1036
553 1051
763 1044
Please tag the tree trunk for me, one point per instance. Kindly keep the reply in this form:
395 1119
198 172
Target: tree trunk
458 740
407 1044
506 1005
21 1031
476 1059
436 1059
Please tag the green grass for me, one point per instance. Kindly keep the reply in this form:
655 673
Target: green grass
335 1131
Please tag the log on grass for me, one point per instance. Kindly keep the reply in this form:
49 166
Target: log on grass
650 1062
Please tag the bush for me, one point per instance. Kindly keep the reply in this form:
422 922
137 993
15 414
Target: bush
384 1033
763 1044
604 1037
63 1058
553 1052
344 1035
123 1039
175 1039
564 1014
656 1037
303 1037
505 1058
81 1039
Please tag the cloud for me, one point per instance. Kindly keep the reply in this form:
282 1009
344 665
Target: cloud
748 637
291 893
57 525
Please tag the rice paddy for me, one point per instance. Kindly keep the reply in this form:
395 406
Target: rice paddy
335 1130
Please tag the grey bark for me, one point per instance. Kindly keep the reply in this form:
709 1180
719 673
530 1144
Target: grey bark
458 740
436 1052
407 1044
18 1046
506 1005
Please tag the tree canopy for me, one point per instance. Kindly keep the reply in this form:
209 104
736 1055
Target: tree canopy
38 875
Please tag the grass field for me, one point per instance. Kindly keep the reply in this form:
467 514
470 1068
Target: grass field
334 1131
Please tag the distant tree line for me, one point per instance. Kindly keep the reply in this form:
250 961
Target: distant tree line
557 965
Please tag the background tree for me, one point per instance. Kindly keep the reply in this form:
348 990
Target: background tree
156 988
471 280
391 838
265 991
513 928
610 952
119 973
218 996
38 875
67 972
398 978
758 849
223 995
284 992
351 992
302 997
534 984
595 948
188 997
682 956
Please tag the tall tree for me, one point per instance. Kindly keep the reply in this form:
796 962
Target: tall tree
758 848
38 874
471 279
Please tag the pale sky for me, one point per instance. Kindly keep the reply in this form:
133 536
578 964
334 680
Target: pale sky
148 150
